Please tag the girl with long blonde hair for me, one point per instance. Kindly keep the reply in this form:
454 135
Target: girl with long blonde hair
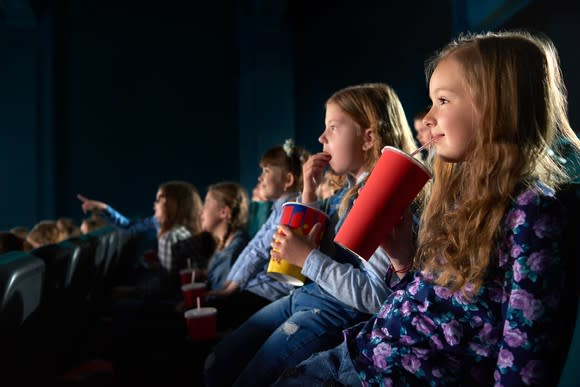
482 306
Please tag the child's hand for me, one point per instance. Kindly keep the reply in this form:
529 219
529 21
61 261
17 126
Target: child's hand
399 244
312 172
90 205
292 247
228 289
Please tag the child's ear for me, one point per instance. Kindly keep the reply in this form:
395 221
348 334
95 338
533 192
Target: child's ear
368 138
290 180
226 212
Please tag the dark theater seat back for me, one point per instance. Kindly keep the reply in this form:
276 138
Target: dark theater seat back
21 282
57 259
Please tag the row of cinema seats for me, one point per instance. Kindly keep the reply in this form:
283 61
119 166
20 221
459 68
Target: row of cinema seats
54 300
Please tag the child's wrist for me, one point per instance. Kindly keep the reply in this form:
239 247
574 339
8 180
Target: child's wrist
308 196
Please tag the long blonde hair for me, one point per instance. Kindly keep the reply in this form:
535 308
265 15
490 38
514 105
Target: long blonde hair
375 106
235 197
516 84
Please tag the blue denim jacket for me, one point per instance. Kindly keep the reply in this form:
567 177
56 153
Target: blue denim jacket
132 226
221 261
249 271
362 287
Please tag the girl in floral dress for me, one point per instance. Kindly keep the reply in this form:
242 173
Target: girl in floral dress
489 258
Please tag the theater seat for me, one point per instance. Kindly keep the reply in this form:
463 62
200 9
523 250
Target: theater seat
82 272
104 249
57 260
21 281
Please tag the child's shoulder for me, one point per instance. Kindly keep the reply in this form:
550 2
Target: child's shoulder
535 194
536 202
177 233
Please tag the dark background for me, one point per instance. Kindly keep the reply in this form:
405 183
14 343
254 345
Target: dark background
111 98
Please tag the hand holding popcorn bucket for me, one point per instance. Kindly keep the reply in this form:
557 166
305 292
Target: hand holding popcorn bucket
300 218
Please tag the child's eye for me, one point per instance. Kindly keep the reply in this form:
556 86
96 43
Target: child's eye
442 101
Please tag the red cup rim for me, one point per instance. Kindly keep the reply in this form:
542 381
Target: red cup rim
306 205
414 160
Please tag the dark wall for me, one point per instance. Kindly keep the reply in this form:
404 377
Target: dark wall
558 19
19 139
266 88
337 44
110 98
144 94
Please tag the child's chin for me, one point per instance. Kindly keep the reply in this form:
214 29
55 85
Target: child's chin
334 170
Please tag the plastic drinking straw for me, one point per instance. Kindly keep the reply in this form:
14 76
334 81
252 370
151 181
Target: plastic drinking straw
433 139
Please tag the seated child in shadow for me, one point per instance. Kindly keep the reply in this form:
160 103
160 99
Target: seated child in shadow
260 209
142 325
248 287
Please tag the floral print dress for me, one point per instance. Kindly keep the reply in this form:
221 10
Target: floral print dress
426 335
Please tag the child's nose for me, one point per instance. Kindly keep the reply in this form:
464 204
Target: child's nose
429 121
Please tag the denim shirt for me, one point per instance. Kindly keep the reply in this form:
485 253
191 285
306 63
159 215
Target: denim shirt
353 281
221 261
132 226
362 287
249 271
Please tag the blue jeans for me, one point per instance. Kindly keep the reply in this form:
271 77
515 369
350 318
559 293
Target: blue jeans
279 336
329 368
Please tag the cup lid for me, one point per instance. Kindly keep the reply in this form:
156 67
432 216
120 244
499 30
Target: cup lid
201 312
193 285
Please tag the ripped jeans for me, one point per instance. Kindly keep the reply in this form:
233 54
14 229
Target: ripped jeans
332 368
280 335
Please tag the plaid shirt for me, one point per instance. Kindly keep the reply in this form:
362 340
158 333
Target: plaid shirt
166 241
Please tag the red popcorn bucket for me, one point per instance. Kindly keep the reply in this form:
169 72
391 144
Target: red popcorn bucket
300 218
